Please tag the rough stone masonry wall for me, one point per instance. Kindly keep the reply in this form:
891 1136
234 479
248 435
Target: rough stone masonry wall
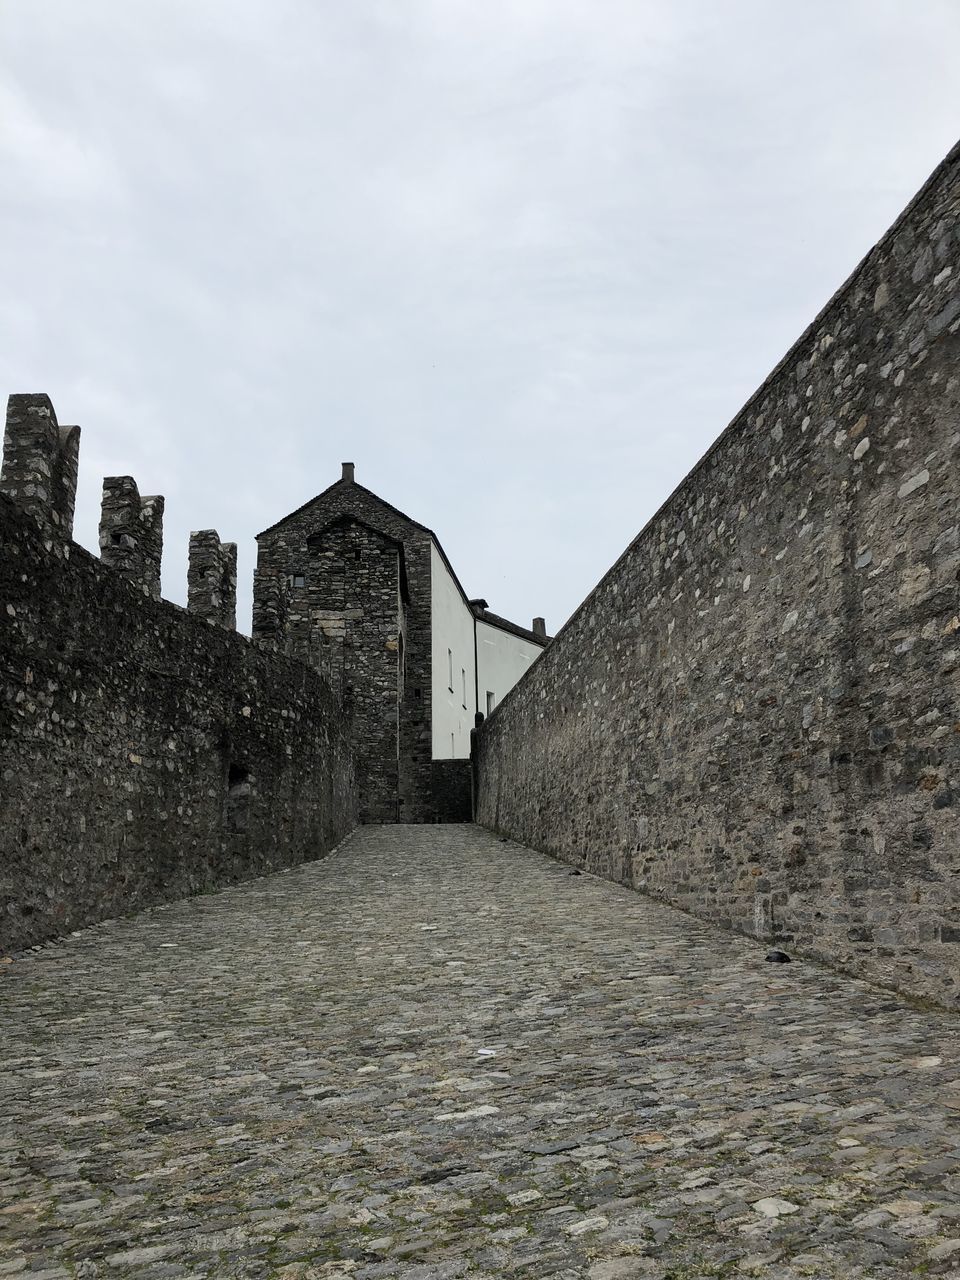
345 620
212 578
131 533
452 791
755 715
40 463
144 754
284 550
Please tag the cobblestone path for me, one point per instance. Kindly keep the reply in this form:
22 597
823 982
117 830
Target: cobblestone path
437 1055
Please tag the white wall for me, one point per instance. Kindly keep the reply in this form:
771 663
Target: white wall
452 629
502 659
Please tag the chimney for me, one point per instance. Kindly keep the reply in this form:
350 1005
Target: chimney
540 628
347 472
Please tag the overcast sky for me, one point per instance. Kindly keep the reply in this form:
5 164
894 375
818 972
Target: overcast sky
520 260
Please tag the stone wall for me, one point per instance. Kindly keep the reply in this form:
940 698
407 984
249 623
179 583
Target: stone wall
755 715
144 754
212 578
301 585
131 533
40 463
452 791
345 618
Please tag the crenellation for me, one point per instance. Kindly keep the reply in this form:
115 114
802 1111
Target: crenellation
212 578
146 755
131 533
64 479
40 463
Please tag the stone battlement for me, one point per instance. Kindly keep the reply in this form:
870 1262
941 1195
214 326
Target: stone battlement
212 578
40 462
144 754
39 475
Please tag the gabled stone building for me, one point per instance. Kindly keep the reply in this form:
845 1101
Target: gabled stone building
367 596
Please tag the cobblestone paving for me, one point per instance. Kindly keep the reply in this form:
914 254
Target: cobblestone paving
437 1055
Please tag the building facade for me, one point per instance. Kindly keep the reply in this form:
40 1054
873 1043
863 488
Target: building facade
366 595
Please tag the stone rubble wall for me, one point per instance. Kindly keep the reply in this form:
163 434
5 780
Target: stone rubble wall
144 754
310 621
131 533
452 791
346 621
756 714
40 463
212 578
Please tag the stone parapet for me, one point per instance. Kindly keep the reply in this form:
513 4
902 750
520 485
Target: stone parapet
144 754
131 533
40 462
212 578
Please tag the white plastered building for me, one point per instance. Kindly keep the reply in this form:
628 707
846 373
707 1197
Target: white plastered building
477 657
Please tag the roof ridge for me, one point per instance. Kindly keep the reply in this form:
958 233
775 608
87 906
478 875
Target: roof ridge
494 619
353 485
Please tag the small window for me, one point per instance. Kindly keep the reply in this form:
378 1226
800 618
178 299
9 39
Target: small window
491 701
358 554
295 580
417 693
450 670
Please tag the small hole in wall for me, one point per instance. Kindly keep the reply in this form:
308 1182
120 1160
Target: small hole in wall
115 538
237 775
238 797
416 693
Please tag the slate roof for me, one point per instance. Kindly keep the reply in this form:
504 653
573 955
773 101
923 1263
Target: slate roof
492 619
